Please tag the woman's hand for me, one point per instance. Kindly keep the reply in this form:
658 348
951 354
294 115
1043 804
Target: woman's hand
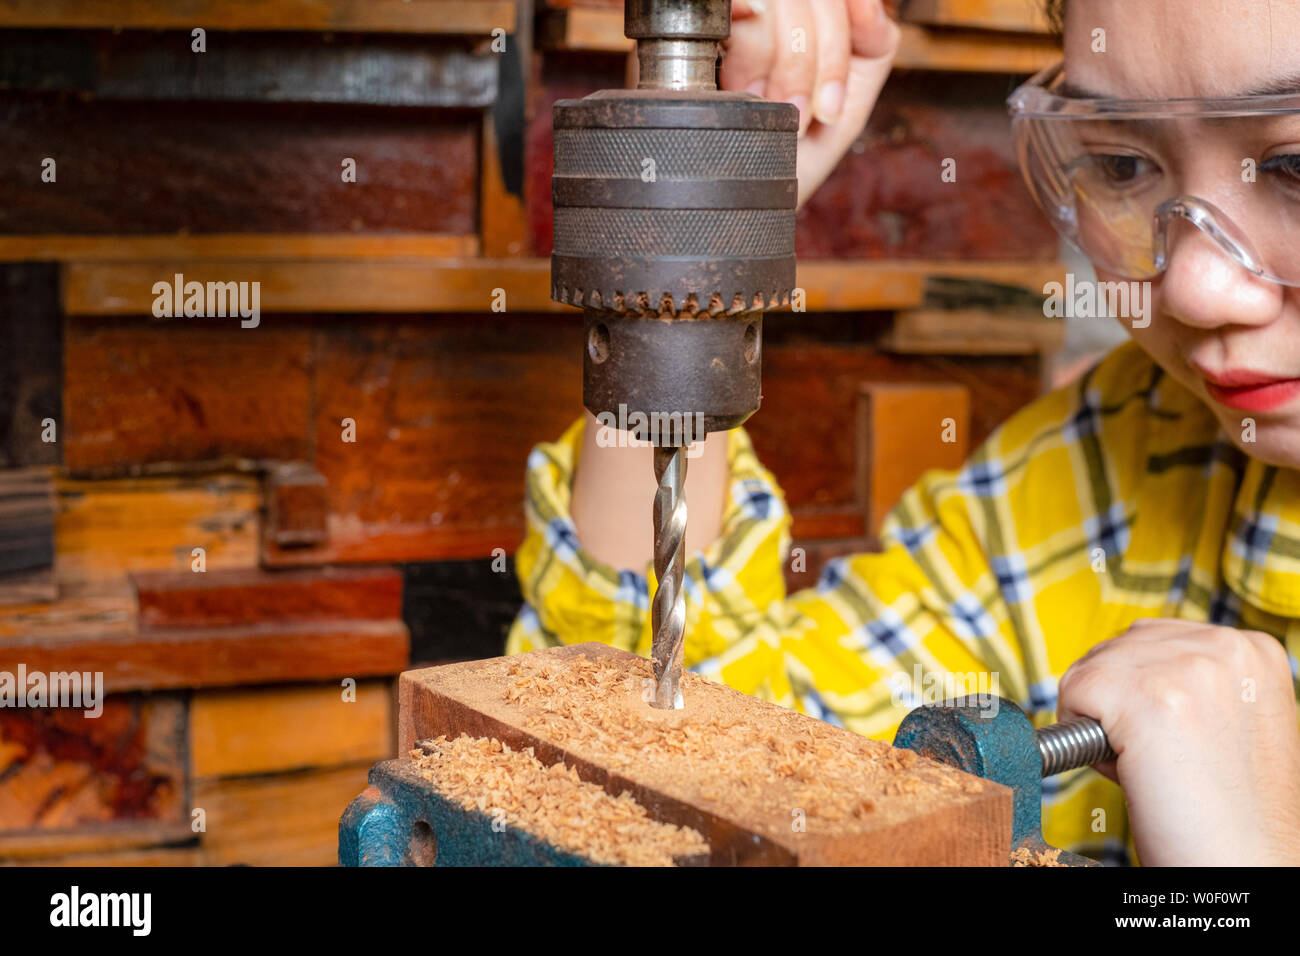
833 70
1203 719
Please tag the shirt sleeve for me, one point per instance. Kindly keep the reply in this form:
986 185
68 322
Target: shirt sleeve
919 622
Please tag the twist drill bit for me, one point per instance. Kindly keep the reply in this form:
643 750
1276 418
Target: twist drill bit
668 612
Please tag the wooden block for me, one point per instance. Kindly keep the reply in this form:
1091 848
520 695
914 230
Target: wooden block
974 332
222 657
205 390
698 767
278 819
903 432
277 729
247 597
477 17
75 778
297 506
1022 16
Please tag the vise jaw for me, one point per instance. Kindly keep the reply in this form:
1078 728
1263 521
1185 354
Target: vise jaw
992 738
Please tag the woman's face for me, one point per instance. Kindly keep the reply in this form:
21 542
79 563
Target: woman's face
1230 337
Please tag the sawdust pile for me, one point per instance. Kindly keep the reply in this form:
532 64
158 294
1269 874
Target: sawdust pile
772 764
552 803
1027 857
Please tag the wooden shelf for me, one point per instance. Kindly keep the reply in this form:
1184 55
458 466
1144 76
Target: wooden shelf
257 247
124 287
920 47
446 17
973 51
1018 16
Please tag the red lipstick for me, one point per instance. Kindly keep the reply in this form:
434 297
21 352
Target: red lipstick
1249 391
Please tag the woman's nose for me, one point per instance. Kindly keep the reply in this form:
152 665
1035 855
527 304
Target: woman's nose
1202 287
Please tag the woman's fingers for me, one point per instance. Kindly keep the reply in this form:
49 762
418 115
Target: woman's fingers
751 51
832 19
872 33
794 68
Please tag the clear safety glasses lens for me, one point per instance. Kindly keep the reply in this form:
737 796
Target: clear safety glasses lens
1130 186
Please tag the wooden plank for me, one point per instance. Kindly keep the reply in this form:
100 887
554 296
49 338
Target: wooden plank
28 587
973 332
140 393
430 414
279 169
235 247
223 657
275 729
473 17
185 855
73 778
27 510
245 597
107 529
31 365
280 819
904 431
115 844
696 767
359 69
1022 16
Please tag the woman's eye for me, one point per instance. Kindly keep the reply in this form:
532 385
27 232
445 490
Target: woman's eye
1288 165
1115 171
1119 169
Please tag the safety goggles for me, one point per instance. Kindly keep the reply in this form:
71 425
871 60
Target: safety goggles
1116 177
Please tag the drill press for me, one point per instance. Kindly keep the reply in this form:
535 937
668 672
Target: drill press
674 231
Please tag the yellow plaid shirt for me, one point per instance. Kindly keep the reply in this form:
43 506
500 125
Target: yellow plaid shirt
1117 498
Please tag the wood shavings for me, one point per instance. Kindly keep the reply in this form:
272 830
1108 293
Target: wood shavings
1027 857
760 763
552 802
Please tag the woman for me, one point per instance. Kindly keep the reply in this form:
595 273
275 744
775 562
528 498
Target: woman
1127 548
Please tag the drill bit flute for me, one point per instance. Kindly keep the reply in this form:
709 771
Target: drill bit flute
673 232
668 613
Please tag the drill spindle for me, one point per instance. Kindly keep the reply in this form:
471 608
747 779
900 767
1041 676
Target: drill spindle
668 612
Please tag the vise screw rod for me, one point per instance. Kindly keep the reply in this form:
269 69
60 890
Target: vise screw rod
1070 744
